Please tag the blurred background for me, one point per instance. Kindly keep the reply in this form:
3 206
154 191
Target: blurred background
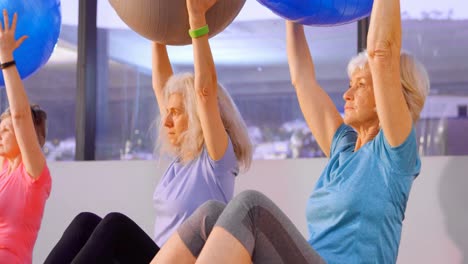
250 56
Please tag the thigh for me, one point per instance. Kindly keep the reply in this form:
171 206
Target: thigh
265 231
135 245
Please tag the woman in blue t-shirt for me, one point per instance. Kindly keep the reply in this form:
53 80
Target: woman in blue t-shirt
202 129
356 210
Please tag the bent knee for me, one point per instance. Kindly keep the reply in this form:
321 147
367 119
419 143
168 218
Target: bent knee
251 197
212 207
116 217
85 220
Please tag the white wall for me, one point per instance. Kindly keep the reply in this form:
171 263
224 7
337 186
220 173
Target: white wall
435 229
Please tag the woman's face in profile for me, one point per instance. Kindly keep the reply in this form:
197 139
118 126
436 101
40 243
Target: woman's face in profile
176 119
359 99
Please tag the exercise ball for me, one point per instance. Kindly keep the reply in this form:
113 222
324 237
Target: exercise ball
40 20
166 21
320 12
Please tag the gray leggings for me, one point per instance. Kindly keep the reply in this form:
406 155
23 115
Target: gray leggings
259 225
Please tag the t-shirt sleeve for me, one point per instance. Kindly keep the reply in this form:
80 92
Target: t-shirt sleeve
403 159
344 139
228 163
42 181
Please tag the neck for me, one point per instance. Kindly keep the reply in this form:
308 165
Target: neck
366 134
12 162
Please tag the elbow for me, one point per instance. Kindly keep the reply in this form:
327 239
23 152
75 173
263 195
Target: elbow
20 114
383 51
379 50
206 85
301 83
294 80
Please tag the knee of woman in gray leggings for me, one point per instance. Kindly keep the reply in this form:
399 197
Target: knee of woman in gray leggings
251 198
195 230
242 216
246 204
265 231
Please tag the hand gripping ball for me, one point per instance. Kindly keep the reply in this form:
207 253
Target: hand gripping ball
320 12
40 20
166 21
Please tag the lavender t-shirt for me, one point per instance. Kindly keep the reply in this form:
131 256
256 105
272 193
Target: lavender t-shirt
184 188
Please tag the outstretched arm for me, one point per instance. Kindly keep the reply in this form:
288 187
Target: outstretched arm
384 47
31 153
206 83
318 109
161 72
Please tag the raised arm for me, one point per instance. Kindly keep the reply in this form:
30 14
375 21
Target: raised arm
206 83
317 107
384 47
31 153
161 72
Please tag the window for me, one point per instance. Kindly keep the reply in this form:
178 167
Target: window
251 63
436 33
53 87
250 56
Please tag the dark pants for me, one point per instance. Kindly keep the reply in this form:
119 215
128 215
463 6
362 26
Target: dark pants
114 239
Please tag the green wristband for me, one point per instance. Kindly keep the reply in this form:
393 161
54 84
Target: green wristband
199 32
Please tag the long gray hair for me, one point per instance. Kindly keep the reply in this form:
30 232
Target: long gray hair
192 139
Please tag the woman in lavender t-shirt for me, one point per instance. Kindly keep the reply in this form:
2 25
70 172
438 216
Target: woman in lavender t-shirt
201 127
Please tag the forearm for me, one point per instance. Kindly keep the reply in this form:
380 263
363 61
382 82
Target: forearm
17 97
161 71
384 37
205 71
300 61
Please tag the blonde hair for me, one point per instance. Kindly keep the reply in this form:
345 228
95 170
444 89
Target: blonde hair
192 139
413 76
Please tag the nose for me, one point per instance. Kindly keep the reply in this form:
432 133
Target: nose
347 96
168 122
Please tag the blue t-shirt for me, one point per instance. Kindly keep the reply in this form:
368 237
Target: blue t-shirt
184 187
356 210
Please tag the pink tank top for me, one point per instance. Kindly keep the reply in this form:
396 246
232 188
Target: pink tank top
22 201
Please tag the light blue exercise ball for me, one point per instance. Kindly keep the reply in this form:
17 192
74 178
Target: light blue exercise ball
320 12
40 20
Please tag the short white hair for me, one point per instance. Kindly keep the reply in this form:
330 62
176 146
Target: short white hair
413 76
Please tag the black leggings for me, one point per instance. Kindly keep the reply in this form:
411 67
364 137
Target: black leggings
114 239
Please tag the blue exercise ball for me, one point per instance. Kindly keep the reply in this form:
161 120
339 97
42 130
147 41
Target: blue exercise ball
40 20
320 12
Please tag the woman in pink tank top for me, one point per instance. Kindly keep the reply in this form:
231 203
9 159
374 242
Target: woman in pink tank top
24 177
